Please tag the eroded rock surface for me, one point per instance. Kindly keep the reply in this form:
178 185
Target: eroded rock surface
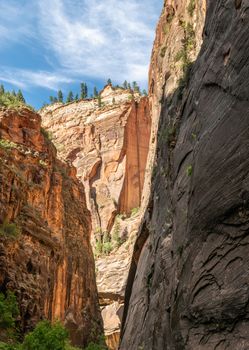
50 264
108 145
188 284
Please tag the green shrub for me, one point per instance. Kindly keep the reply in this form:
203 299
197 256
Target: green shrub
98 248
180 55
8 310
4 346
10 230
134 211
189 170
12 100
47 336
100 345
107 248
116 234
191 7
163 51
47 134
7 144
42 163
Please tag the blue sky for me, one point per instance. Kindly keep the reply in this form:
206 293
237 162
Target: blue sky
48 45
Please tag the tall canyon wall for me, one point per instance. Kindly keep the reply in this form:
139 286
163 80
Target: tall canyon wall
108 144
45 252
188 282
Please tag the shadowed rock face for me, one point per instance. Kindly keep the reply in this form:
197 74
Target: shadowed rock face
49 265
188 284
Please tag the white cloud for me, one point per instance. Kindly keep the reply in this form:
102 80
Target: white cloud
24 78
100 39
91 39
16 20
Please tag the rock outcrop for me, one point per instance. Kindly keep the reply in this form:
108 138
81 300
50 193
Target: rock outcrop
188 283
108 144
45 251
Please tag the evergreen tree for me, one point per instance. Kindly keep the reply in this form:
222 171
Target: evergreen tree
109 82
129 86
76 97
2 91
95 92
13 93
51 99
60 96
134 85
70 96
125 85
137 89
99 101
20 96
145 93
83 91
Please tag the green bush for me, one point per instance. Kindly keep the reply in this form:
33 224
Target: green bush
7 144
101 345
191 7
189 170
116 234
98 248
134 211
4 346
163 51
107 248
8 310
46 336
47 134
12 100
10 230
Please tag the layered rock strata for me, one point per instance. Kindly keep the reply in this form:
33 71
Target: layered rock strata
45 252
108 144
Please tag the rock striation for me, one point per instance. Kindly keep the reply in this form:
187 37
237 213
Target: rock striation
188 282
108 144
45 251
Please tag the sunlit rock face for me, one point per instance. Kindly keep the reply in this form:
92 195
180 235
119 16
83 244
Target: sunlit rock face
108 145
49 264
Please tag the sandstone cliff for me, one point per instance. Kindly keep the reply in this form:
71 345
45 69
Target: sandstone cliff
48 262
188 283
108 145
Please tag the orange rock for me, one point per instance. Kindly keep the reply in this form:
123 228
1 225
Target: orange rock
49 265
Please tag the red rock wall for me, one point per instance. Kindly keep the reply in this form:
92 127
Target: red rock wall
50 265
136 147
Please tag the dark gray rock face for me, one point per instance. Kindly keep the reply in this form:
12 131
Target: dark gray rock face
189 282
